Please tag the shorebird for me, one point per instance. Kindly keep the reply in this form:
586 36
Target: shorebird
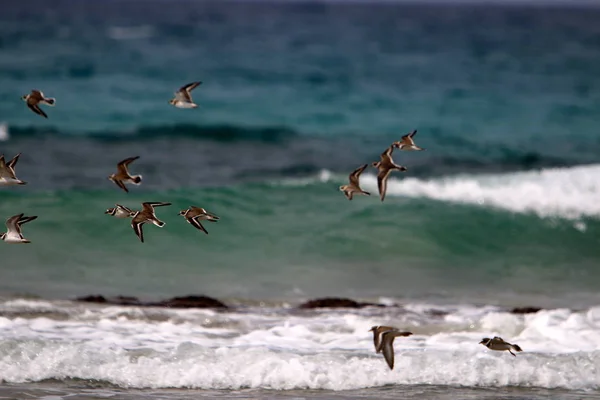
7 172
498 344
379 330
183 97
13 226
385 167
387 345
35 98
122 176
194 215
354 186
407 143
146 215
120 211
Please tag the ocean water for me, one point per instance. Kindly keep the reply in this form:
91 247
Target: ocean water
501 210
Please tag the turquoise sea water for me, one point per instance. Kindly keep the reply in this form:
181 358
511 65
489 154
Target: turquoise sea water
500 210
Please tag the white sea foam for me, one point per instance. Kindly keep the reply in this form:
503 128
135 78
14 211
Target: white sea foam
136 348
4 134
557 192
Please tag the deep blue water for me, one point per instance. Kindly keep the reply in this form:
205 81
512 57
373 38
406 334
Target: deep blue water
294 97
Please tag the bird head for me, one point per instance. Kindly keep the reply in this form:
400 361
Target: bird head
484 341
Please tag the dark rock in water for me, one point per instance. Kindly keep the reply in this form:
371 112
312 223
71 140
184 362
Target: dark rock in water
128 301
175 302
93 298
336 302
191 302
525 310
437 313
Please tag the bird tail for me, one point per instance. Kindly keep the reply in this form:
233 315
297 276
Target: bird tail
50 101
516 347
137 179
365 192
158 223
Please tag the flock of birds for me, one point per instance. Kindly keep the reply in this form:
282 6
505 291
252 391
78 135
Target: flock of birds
383 336
383 339
193 215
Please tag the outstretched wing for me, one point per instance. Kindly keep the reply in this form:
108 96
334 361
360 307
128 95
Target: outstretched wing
196 224
387 154
12 225
149 205
184 92
11 164
354 176
382 178
190 86
121 185
137 228
122 166
410 135
36 109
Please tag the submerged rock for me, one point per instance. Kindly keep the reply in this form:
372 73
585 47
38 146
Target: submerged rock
93 298
191 302
336 302
525 310
175 302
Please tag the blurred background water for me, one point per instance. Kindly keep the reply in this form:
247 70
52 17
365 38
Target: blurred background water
500 210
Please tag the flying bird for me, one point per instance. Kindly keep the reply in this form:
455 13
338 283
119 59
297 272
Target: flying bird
35 98
13 225
7 172
122 175
354 186
183 97
498 344
407 143
146 215
385 167
194 215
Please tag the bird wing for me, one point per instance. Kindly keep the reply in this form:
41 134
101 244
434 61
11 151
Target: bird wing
387 347
382 178
120 184
148 207
196 224
354 176
184 92
136 224
13 227
4 170
122 166
11 164
36 109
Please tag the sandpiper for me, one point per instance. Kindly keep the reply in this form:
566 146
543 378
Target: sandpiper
194 215
120 211
13 225
183 97
7 172
146 215
354 186
35 98
385 167
497 343
407 143
122 176
379 330
387 345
